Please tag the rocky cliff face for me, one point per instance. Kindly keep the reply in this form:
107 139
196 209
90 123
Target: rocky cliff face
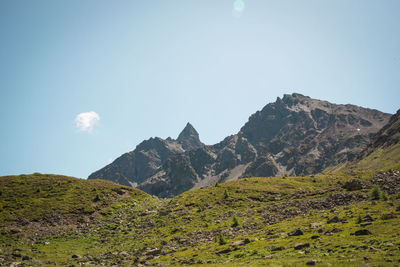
304 135
294 135
189 138
388 136
135 167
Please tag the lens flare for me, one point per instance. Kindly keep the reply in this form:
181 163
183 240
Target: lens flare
238 8
239 5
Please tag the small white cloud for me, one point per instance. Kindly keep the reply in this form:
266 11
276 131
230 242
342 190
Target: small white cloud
85 121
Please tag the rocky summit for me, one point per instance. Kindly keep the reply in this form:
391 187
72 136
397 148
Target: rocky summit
135 167
295 135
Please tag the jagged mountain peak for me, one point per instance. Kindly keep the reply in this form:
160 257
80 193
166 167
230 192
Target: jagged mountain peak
188 130
189 138
293 135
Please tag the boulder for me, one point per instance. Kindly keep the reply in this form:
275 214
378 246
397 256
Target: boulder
317 224
278 248
25 258
311 262
388 216
241 242
361 232
301 245
224 251
334 220
367 218
295 232
353 185
152 251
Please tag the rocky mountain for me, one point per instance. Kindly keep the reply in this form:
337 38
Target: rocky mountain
135 167
294 135
388 136
189 138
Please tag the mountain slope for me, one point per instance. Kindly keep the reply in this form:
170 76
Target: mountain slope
388 136
384 150
42 204
253 221
294 135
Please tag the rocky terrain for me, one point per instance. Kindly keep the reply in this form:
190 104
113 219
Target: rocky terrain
292 136
248 222
388 136
134 167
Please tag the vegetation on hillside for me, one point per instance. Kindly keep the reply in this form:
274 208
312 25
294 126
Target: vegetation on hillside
48 220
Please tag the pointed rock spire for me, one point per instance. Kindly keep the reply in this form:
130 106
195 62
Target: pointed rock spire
189 138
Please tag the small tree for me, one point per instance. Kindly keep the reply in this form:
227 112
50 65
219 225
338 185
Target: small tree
235 222
96 198
384 196
226 195
220 239
359 219
375 194
284 176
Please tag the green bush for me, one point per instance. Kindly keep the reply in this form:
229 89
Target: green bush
220 239
96 198
375 193
226 195
235 222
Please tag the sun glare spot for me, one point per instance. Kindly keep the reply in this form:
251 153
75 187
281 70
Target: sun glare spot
238 8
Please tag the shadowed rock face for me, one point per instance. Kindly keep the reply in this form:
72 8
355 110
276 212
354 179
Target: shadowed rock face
189 138
387 136
304 135
294 135
134 167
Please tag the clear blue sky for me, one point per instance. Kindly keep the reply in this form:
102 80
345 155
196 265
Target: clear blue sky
148 67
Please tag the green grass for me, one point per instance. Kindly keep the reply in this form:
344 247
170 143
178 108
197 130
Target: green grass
33 197
111 224
381 159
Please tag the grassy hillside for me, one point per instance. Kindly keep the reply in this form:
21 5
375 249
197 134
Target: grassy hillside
70 221
37 206
382 154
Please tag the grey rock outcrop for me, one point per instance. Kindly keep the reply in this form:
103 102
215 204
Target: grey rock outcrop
189 138
294 135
